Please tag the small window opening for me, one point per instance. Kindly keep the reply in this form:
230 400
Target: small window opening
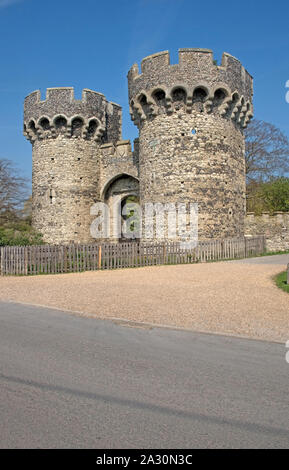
51 196
60 122
179 95
91 128
76 127
143 100
159 95
220 95
31 126
44 123
199 94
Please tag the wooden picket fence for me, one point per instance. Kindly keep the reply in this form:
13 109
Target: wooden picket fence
52 259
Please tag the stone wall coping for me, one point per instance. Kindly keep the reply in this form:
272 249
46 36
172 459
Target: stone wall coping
117 144
267 213
195 49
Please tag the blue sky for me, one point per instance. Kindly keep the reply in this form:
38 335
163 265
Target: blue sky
92 44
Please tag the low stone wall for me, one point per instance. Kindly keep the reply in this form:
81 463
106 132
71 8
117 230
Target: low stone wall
275 227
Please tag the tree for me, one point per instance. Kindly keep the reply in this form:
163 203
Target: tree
27 209
13 191
15 209
276 195
269 196
267 152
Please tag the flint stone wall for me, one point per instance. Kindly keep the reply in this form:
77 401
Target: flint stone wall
275 227
206 168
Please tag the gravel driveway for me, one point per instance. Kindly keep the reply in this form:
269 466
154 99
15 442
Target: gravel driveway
235 298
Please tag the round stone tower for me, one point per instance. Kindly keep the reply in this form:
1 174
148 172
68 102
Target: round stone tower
191 117
66 135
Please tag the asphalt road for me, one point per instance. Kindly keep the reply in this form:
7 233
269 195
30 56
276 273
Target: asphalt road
271 259
71 382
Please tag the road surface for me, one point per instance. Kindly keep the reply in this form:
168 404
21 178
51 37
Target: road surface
281 260
72 382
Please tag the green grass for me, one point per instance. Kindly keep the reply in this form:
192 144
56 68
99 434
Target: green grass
281 281
272 253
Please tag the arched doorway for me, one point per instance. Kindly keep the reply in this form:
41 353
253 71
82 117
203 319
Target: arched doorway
120 194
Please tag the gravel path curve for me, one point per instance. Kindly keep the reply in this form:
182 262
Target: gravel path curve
228 297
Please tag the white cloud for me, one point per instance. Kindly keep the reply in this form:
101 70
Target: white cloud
8 3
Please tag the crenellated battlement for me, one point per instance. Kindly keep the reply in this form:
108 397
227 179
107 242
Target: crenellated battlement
163 87
193 61
92 117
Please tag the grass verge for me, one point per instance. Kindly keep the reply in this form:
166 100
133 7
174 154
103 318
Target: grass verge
272 253
281 281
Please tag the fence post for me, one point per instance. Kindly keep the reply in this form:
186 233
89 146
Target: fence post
164 253
288 274
99 257
222 249
2 261
25 261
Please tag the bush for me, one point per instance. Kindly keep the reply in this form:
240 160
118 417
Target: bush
19 234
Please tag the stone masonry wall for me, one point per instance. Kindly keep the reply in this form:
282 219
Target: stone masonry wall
206 168
116 160
64 187
275 227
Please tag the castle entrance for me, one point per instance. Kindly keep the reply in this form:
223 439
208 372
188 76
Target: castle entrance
122 197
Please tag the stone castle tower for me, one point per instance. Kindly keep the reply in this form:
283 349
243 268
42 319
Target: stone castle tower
190 118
